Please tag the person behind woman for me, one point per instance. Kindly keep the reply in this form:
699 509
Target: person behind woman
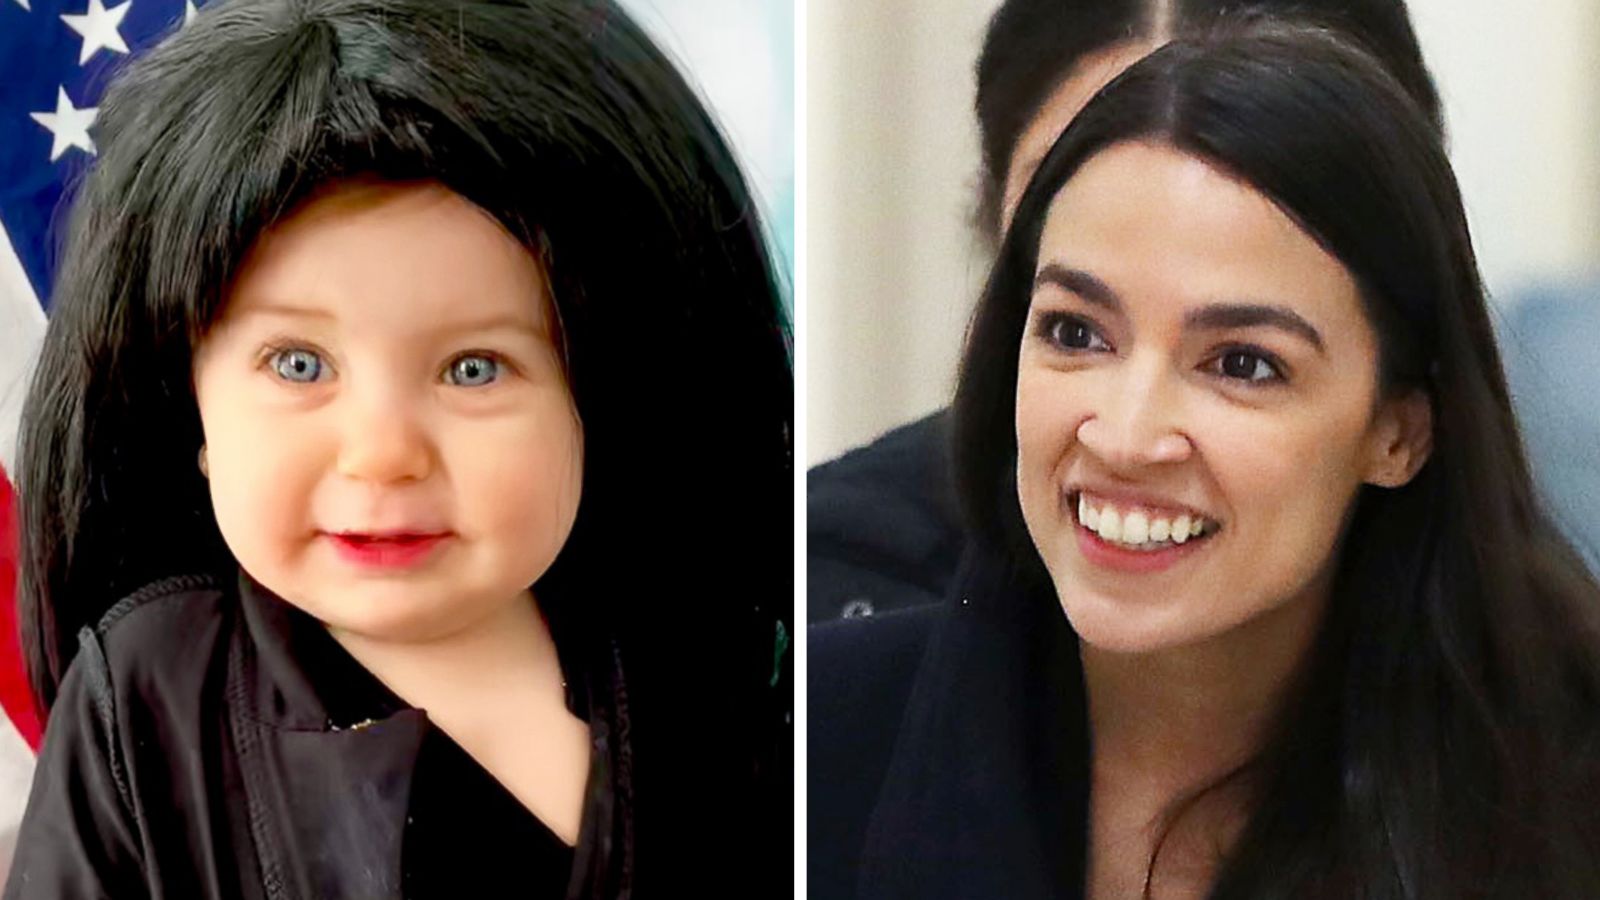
1261 602
406 483
883 529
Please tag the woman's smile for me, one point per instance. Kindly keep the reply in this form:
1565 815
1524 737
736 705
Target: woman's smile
1132 537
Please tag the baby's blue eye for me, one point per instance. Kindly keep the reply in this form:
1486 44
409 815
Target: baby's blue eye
301 366
473 370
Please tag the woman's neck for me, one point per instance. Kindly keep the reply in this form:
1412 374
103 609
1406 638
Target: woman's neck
1168 723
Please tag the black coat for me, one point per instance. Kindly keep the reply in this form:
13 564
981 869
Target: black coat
189 755
948 749
883 530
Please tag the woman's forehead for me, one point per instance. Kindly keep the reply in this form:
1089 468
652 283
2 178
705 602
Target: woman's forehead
1153 222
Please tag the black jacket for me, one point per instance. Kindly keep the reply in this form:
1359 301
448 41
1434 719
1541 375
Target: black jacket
189 755
948 748
883 529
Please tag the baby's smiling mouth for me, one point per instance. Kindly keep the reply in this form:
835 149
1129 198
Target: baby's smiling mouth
389 537
388 549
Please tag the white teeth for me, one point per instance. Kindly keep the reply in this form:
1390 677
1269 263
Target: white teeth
1110 525
1135 528
1088 515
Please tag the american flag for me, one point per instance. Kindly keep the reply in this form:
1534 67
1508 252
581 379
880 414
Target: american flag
55 59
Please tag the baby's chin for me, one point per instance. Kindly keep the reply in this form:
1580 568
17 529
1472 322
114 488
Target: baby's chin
389 615
401 610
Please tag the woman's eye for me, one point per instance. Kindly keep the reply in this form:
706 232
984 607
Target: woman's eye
473 370
1246 365
1073 333
300 366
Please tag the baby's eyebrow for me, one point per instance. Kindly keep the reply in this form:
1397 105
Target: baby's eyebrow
500 322
286 310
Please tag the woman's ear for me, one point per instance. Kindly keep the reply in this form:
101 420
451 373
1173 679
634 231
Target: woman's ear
1401 439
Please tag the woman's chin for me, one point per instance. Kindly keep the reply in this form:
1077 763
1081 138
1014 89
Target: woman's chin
1120 625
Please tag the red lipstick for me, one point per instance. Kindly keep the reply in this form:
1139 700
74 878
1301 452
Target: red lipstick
393 550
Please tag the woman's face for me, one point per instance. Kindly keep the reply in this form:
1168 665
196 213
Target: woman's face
390 440
1196 404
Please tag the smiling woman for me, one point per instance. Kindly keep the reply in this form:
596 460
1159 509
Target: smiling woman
1194 358
412 363
1261 602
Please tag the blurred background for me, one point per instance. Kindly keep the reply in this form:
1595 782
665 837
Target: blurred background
894 262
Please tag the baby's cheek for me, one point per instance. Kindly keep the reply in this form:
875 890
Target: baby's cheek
263 483
529 498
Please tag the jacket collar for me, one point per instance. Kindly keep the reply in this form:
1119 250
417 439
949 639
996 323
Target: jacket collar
296 665
326 774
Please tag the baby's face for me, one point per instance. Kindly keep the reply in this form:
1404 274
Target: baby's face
391 443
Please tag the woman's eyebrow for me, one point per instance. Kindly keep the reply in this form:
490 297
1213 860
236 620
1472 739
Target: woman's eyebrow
1219 316
1211 317
1077 281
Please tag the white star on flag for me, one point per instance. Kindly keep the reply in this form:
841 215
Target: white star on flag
188 11
99 29
69 125
24 5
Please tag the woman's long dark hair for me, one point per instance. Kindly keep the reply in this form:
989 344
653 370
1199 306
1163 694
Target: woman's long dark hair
1031 46
565 122
1444 738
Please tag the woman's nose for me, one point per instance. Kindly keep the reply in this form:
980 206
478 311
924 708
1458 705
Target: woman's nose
384 440
1137 421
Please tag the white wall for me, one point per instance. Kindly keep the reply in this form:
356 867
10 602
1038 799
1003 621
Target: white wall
890 165
892 265
1521 90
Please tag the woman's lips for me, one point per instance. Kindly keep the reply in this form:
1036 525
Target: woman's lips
386 551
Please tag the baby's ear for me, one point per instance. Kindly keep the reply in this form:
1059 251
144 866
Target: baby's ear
1400 440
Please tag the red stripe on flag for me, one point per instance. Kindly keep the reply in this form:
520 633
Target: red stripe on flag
14 693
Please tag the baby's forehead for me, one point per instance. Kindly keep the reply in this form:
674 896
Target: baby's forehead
411 254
